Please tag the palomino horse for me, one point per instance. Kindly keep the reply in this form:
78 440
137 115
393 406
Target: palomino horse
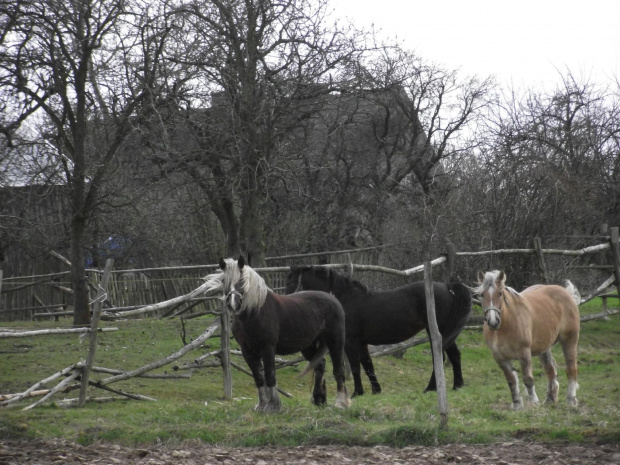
266 324
388 317
519 325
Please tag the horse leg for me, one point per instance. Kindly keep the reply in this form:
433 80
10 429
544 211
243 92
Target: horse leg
550 367
513 383
273 403
369 369
336 353
528 377
454 355
319 392
353 354
570 356
258 374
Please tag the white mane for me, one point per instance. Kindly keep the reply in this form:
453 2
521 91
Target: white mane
254 288
490 278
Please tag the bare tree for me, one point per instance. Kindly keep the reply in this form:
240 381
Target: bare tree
77 75
255 65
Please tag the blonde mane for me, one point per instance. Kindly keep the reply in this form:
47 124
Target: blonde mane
253 286
490 278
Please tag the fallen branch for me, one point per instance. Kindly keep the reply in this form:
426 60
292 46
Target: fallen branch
599 316
59 387
165 361
40 392
111 371
121 393
40 332
195 366
36 386
71 402
393 349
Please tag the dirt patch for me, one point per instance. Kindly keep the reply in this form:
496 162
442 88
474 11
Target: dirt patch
517 452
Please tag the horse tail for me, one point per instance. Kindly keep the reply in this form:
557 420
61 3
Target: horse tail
456 317
574 293
318 357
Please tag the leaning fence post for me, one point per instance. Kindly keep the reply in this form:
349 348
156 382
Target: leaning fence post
541 260
225 352
615 254
102 291
436 345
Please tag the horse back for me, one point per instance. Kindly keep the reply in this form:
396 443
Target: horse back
394 315
553 310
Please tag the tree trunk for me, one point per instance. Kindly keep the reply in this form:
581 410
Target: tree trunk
81 310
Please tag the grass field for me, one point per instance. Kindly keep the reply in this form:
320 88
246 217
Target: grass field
193 409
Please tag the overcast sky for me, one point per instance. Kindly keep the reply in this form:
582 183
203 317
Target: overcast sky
524 43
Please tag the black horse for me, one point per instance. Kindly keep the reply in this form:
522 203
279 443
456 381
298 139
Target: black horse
266 324
388 317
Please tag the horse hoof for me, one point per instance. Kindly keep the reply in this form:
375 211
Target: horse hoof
342 402
518 405
573 402
272 408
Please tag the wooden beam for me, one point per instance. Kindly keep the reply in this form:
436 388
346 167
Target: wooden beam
436 344
102 292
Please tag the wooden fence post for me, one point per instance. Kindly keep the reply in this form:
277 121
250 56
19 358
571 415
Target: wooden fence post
225 353
541 260
450 262
436 345
94 326
615 254
0 289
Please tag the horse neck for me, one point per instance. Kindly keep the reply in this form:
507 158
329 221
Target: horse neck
510 309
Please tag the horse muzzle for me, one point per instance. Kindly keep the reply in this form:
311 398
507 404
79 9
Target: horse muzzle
234 299
493 317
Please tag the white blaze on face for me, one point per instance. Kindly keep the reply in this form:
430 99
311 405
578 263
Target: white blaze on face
491 314
233 299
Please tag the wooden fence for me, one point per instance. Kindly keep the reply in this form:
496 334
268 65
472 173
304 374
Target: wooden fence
81 371
46 296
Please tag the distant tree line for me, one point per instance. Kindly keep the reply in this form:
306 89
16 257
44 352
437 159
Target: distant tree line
177 131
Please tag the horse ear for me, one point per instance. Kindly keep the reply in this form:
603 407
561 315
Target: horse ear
480 277
241 262
222 264
501 277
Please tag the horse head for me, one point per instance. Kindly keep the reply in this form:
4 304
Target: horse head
231 282
316 278
491 291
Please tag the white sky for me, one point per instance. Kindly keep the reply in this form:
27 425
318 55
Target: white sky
523 43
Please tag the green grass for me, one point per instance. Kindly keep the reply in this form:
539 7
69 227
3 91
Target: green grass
193 409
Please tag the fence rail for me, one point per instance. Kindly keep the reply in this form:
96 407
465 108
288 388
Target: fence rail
129 291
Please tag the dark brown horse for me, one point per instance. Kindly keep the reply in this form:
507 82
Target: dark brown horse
388 317
266 324
519 325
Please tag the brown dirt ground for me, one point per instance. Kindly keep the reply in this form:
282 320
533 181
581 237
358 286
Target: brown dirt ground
516 452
